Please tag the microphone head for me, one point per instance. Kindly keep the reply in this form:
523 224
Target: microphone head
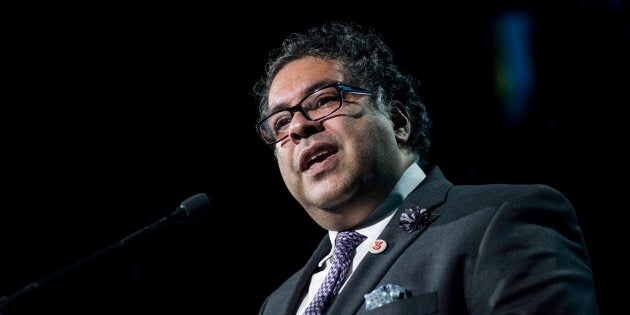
195 205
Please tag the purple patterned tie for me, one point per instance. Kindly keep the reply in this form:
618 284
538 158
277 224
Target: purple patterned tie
345 244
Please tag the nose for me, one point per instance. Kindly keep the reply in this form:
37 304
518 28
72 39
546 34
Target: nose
302 127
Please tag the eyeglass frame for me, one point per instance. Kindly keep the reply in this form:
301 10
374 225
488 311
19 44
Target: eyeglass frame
340 87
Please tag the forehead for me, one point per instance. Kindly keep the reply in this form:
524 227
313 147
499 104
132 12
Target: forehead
297 78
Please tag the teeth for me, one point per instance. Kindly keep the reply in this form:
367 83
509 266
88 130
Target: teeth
318 155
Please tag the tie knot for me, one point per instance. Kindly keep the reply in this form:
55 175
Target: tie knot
349 240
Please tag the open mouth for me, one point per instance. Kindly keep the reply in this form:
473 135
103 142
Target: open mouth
316 156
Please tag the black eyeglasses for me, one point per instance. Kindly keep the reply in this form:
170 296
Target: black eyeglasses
319 104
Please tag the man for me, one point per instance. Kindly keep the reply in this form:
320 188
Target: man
350 135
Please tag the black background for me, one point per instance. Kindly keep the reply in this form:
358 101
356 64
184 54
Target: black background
114 115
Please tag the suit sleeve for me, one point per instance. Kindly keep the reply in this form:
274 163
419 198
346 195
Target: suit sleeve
532 259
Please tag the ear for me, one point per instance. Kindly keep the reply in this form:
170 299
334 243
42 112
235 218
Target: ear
401 121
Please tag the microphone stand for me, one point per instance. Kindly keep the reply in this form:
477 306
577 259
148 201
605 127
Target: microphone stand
193 204
35 285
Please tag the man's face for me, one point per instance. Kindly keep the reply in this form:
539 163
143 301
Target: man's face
339 168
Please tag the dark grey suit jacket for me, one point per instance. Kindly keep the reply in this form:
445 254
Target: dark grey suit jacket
493 249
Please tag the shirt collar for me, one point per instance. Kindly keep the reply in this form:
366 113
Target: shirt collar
376 221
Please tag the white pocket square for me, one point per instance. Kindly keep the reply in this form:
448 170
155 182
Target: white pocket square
385 294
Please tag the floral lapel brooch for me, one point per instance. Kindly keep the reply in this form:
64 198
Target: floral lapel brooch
415 218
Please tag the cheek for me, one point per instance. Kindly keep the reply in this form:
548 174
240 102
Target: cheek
374 130
289 176
377 138
284 164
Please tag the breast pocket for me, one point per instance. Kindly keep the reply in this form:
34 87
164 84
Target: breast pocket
423 304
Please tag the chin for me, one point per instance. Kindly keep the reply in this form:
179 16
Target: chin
326 199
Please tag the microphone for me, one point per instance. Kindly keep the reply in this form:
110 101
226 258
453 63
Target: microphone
189 208
192 207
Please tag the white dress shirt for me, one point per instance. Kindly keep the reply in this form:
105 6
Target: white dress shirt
372 227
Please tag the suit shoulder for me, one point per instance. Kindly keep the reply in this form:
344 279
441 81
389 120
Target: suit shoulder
499 193
485 200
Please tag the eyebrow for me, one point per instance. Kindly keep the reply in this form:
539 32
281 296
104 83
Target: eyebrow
310 88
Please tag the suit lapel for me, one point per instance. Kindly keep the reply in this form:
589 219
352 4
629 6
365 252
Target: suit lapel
429 194
304 278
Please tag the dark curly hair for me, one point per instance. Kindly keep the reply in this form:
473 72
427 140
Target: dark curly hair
367 62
